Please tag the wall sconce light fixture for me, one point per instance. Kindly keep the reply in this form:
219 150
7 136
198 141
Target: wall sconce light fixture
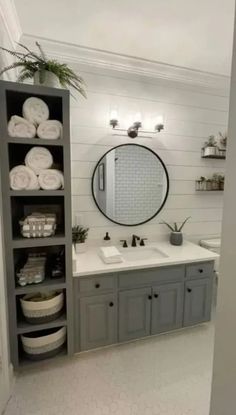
136 128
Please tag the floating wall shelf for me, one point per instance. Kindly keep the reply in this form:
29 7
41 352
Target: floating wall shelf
214 157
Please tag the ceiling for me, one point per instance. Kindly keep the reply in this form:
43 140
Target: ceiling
191 33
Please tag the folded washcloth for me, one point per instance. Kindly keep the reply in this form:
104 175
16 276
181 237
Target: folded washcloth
39 158
35 110
51 179
110 254
23 178
19 127
50 129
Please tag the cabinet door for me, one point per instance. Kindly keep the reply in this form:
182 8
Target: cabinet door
198 299
98 321
167 307
134 313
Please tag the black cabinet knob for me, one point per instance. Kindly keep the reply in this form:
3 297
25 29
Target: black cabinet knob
111 304
200 270
149 297
156 295
189 290
97 285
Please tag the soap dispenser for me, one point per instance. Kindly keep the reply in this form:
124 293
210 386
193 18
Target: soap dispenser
107 239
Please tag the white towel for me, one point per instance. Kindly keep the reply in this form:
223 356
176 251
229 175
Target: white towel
35 110
51 179
110 254
50 129
19 127
39 158
23 178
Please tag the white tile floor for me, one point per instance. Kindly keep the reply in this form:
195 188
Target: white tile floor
164 375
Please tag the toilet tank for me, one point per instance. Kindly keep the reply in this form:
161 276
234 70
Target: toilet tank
214 246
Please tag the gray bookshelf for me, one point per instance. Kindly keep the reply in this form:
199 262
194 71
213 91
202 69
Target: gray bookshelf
14 203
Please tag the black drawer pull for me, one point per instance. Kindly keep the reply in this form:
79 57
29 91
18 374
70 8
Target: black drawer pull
156 295
200 270
149 297
189 290
111 304
97 285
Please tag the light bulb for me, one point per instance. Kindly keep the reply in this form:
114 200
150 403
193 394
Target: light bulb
114 115
138 117
160 120
114 118
159 123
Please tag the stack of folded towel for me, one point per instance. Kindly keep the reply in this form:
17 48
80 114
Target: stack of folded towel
110 255
33 271
35 122
37 172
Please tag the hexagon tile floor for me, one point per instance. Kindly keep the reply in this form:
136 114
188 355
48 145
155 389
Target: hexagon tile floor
164 375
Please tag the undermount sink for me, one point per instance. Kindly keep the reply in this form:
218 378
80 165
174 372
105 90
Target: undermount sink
141 253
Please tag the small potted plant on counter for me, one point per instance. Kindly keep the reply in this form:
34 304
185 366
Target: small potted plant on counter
79 236
210 148
176 236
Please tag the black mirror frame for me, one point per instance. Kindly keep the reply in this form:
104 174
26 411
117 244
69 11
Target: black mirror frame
167 184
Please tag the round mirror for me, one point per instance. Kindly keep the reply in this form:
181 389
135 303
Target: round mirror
130 184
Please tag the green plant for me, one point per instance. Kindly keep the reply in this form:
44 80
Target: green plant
211 142
175 228
31 62
223 139
79 234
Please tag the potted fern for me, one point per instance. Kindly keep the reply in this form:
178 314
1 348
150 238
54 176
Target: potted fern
43 71
176 236
79 236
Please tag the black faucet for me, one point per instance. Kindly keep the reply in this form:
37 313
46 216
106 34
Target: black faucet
134 238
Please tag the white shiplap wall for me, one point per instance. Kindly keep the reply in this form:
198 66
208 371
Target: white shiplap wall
191 115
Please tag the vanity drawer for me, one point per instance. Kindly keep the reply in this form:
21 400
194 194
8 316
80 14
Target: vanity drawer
200 270
97 284
150 276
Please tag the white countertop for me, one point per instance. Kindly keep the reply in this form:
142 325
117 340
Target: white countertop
90 263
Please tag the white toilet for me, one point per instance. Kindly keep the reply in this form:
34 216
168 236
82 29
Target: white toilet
214 246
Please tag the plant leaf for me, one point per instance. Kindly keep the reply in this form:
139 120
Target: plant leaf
167 224
181 227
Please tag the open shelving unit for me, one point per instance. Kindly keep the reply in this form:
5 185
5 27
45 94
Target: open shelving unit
17 204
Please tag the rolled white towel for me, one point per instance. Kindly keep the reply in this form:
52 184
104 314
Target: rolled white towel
39 158
35 110
19 127
23 178
51 179
50 129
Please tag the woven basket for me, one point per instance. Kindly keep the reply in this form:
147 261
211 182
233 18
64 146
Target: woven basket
36 312
41 345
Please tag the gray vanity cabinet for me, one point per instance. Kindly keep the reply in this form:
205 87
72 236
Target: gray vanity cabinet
113 308
134 313
167 307
198 300
98 321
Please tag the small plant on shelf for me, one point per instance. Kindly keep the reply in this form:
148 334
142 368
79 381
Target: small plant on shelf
223 139
176 236
216 182
210 148
79 236
44 71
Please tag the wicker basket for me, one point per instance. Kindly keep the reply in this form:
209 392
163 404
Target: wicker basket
44 344
39 309
38 225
